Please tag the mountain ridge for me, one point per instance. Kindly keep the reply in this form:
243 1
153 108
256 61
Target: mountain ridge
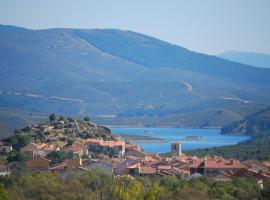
251 58
136 78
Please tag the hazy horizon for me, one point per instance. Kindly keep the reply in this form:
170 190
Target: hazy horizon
210 27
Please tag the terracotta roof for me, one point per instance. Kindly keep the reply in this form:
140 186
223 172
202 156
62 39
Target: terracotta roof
62 165
74 148
105 143
112 143
30 147
38 158
133 166
35 147
92 140
267 163
147 170
47 147
217 162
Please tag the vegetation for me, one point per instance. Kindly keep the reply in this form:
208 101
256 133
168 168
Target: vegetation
52 117
253 124
18 140
100 186
258 147
59 156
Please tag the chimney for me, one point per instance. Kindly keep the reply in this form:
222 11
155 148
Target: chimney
231 162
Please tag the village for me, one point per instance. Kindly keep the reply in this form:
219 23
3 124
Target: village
65 145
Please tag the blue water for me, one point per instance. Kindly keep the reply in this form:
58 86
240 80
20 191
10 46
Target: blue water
213 138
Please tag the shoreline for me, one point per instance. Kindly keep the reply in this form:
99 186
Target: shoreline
149 127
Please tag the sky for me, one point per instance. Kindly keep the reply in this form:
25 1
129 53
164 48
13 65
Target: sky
207 26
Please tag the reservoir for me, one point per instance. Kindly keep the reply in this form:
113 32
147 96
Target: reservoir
190 138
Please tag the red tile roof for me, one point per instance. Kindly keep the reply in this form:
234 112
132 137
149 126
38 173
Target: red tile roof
217 162
105 143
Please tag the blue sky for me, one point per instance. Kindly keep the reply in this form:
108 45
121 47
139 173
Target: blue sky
209 26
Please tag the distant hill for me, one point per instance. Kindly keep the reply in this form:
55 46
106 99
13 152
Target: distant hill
249 58
121 78
257 147
253 124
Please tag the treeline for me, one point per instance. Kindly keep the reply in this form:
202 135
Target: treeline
97 185
257 147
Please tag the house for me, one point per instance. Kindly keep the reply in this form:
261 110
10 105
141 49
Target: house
75 149
4 170
214 165
266 164
30 149
38 163
111 148
133 168
40 149
162 165
59 167
44 149
73 164
84 148
121 166
6 148
138 169
146 170
102 165
255 165
171 172
258 176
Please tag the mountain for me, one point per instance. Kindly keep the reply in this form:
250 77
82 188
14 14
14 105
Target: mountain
249 58
121 78
253 124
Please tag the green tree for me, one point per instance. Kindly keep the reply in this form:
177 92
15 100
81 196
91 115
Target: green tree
70 119
3 192
155 192
17 157
70 141
62 118
87 119
170 182
52 117
59 156
18 140
266 190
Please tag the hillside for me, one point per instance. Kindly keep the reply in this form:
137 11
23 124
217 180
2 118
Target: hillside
249 58
258 147
121 78
253 124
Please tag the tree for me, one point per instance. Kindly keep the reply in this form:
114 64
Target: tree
17 157
52 117
70 141
266 190
87 119
170 182
3 192
70 119
62 118
59 156
18 140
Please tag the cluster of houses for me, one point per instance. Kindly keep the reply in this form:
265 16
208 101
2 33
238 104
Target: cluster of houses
120 158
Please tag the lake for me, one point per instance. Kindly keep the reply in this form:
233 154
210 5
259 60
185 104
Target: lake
210 138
